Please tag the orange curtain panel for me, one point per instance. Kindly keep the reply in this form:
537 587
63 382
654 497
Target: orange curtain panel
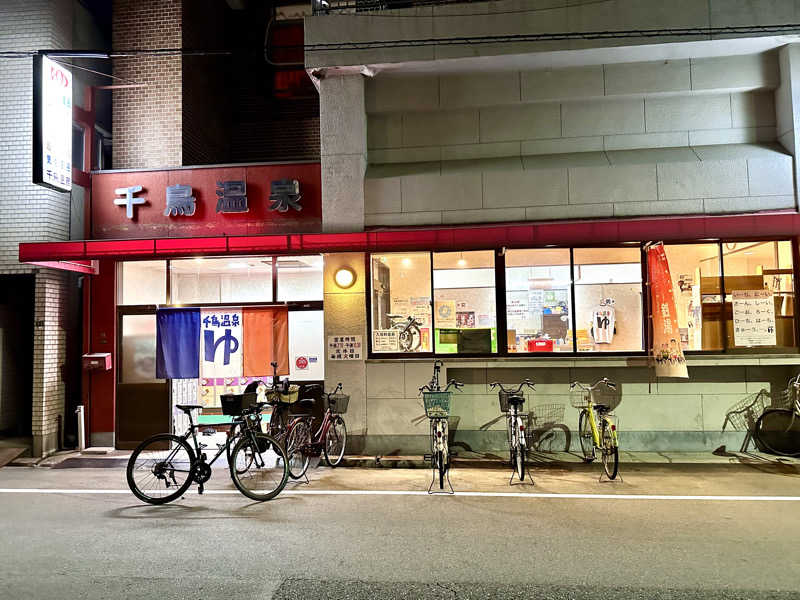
266 339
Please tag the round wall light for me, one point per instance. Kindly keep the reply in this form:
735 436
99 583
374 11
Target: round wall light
345 277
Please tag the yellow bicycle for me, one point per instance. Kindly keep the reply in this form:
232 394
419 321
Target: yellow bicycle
599 399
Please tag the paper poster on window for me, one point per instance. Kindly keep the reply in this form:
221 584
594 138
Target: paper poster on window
535 302
753 318
667 351
221 342
446 314
344 347
421 310
386 340
465 319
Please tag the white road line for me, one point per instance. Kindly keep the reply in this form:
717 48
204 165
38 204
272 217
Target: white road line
423 493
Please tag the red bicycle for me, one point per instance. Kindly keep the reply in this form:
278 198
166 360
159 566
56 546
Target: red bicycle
329 440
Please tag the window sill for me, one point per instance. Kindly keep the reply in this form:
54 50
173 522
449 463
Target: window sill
704 360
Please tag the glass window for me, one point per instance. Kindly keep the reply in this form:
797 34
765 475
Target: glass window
142 282
464 302
299 278
608 299
138 364
306 345
401 302
694 269
759 294
538 300
220 280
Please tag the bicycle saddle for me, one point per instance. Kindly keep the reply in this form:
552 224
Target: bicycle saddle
187 407
516 399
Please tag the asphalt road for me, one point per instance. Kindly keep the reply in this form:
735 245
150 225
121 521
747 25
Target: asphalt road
354 546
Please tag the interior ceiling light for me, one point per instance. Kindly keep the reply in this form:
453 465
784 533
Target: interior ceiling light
406 262
461 261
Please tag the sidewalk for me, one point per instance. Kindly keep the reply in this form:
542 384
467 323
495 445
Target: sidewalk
536 460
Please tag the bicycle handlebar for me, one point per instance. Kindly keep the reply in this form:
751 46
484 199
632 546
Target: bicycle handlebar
525 382
452 383
594 386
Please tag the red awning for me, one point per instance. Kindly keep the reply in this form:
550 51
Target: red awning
76 255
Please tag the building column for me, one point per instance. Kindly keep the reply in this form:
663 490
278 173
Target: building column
343 152
345 315
49 358
787 104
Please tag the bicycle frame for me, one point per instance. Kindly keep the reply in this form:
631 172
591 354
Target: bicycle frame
594 425
194 428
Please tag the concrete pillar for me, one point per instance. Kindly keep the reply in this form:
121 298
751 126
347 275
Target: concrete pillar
787 104
343 150
345 314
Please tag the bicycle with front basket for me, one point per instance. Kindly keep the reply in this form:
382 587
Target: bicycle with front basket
163 466
511 401
329 440
437 408
598 432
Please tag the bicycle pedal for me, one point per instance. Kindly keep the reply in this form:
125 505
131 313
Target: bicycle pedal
427 456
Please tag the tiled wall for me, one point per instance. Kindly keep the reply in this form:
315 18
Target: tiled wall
29 212
603 107
671 415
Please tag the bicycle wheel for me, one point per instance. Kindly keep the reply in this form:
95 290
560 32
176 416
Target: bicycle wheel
160 469
335 440
520 460
610 456
233 435
777 431
297 449
442 468
267 470
585 436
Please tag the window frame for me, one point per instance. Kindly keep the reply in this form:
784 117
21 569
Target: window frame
646 316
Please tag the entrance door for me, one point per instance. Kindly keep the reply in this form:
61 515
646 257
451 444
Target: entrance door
16 354
143 406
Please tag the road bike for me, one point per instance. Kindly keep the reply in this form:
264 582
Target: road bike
437 408
163 466
409 336
511 401
599 399
329 440
777 430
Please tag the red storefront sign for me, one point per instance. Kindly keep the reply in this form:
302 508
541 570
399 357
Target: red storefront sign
204 202
667 351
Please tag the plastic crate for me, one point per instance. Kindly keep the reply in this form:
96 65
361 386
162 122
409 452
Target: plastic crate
437 404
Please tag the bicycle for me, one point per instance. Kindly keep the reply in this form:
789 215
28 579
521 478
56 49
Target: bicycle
511 401
437 409
257 464
777 430
591 400
410 335
329 439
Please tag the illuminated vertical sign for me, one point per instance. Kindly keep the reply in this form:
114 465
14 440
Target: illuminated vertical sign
52 124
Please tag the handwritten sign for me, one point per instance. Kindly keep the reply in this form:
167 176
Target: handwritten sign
344 347
753 318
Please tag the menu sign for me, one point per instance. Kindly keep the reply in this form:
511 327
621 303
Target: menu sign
386 340
753 318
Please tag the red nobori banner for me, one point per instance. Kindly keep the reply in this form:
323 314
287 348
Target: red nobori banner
666 348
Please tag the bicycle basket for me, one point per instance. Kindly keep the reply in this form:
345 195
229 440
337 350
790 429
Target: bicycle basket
784 399
743 415
437 404
234 404
547 414
338 403
578 399
503 397
279 397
